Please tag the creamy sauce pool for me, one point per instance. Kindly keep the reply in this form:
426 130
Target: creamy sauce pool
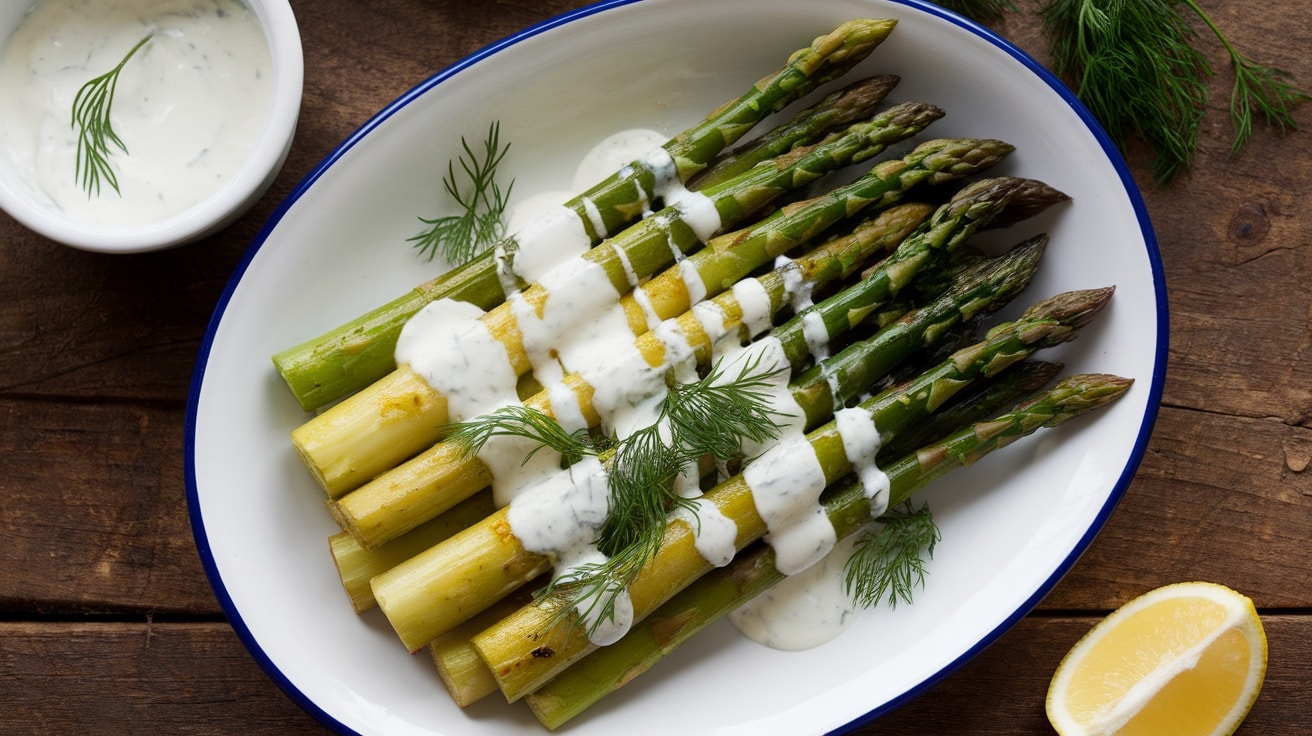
582 329
189 106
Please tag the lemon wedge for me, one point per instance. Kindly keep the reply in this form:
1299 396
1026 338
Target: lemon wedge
1183 659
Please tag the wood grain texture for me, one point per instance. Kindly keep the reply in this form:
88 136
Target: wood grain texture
108 625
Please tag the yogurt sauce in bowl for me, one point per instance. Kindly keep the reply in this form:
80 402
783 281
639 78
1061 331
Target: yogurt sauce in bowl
190 105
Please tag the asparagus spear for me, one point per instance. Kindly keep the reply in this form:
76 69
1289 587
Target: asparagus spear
352 356
524 650
981 288
431 482
975 206
848 507
398 415
833 113
974 405
463 674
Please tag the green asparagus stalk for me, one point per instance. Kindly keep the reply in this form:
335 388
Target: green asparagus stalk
836 111
729 258
396 417
354 355
974 405
726 589
524 651
980 289
977 205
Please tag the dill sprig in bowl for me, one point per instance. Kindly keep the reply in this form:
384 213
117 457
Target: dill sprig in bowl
154 132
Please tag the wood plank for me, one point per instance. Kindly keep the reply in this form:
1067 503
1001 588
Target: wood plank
141 678
93 511
145 678
1217 498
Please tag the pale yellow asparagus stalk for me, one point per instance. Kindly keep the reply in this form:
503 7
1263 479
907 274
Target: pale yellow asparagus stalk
357 566
463 673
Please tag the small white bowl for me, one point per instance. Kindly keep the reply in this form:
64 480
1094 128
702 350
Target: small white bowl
239 191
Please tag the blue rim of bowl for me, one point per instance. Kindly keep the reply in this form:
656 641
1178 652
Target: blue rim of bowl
1118 491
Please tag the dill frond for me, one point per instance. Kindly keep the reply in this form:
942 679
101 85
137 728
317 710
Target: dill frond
1135 66
517 420
95 131
711 416
482 203
889 561
1261 89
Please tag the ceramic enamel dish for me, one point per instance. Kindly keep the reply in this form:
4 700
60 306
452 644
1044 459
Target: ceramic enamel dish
1011 525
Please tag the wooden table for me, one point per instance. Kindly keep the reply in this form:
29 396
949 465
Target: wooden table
107 623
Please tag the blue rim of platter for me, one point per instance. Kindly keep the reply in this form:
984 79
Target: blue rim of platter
234 616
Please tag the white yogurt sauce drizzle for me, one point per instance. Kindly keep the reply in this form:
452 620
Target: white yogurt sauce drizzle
786 483
189 106
811 605
803 610
861 443
755 305
543 236
617 151
452 350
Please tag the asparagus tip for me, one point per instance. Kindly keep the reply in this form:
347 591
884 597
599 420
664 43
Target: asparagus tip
1077 394
1073 308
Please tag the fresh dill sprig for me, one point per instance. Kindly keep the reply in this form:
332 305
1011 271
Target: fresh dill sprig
481 221
709 417
714 416
890 559
95 132
1257 88
1135 67
589 593
517 420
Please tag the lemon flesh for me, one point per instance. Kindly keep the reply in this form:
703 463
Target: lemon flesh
1183 659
